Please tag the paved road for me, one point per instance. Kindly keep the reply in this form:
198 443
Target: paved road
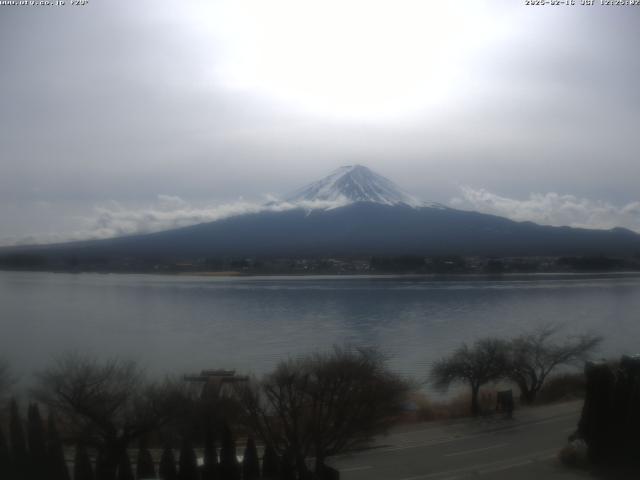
492 448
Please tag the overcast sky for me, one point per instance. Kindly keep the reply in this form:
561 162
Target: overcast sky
123 116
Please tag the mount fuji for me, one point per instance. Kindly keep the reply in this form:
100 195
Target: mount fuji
351 212
352 184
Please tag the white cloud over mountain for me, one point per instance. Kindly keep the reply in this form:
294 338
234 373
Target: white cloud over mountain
551 209
115 219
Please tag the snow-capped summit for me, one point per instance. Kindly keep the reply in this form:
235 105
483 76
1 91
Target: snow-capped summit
351 184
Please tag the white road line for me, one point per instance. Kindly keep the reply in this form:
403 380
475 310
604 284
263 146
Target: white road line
552 418
507 466
497 464
379 451
355 469
467 452
515 464
441 441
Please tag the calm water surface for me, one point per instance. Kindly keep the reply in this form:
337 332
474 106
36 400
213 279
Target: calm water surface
183 323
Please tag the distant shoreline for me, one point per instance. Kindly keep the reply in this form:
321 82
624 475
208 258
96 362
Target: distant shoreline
352 276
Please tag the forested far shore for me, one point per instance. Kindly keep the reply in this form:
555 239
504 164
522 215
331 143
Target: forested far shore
400 264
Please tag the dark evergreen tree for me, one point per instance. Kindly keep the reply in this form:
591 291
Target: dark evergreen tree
270 463
55 452
82 469
5 458
19 453
103 468
167 468
125 472
145 467
287 469
210 467
188 462
229 467
250 462
36 442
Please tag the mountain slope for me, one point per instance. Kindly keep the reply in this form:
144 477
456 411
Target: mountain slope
354 212
359 229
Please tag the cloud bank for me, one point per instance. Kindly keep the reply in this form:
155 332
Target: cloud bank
552 209
168 212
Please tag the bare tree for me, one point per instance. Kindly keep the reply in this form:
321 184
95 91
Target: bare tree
324 404
477 365
534 356
105 404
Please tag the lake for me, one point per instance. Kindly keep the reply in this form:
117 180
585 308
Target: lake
180 324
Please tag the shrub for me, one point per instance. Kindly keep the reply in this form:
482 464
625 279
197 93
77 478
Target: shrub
568 386
574 454
457 406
